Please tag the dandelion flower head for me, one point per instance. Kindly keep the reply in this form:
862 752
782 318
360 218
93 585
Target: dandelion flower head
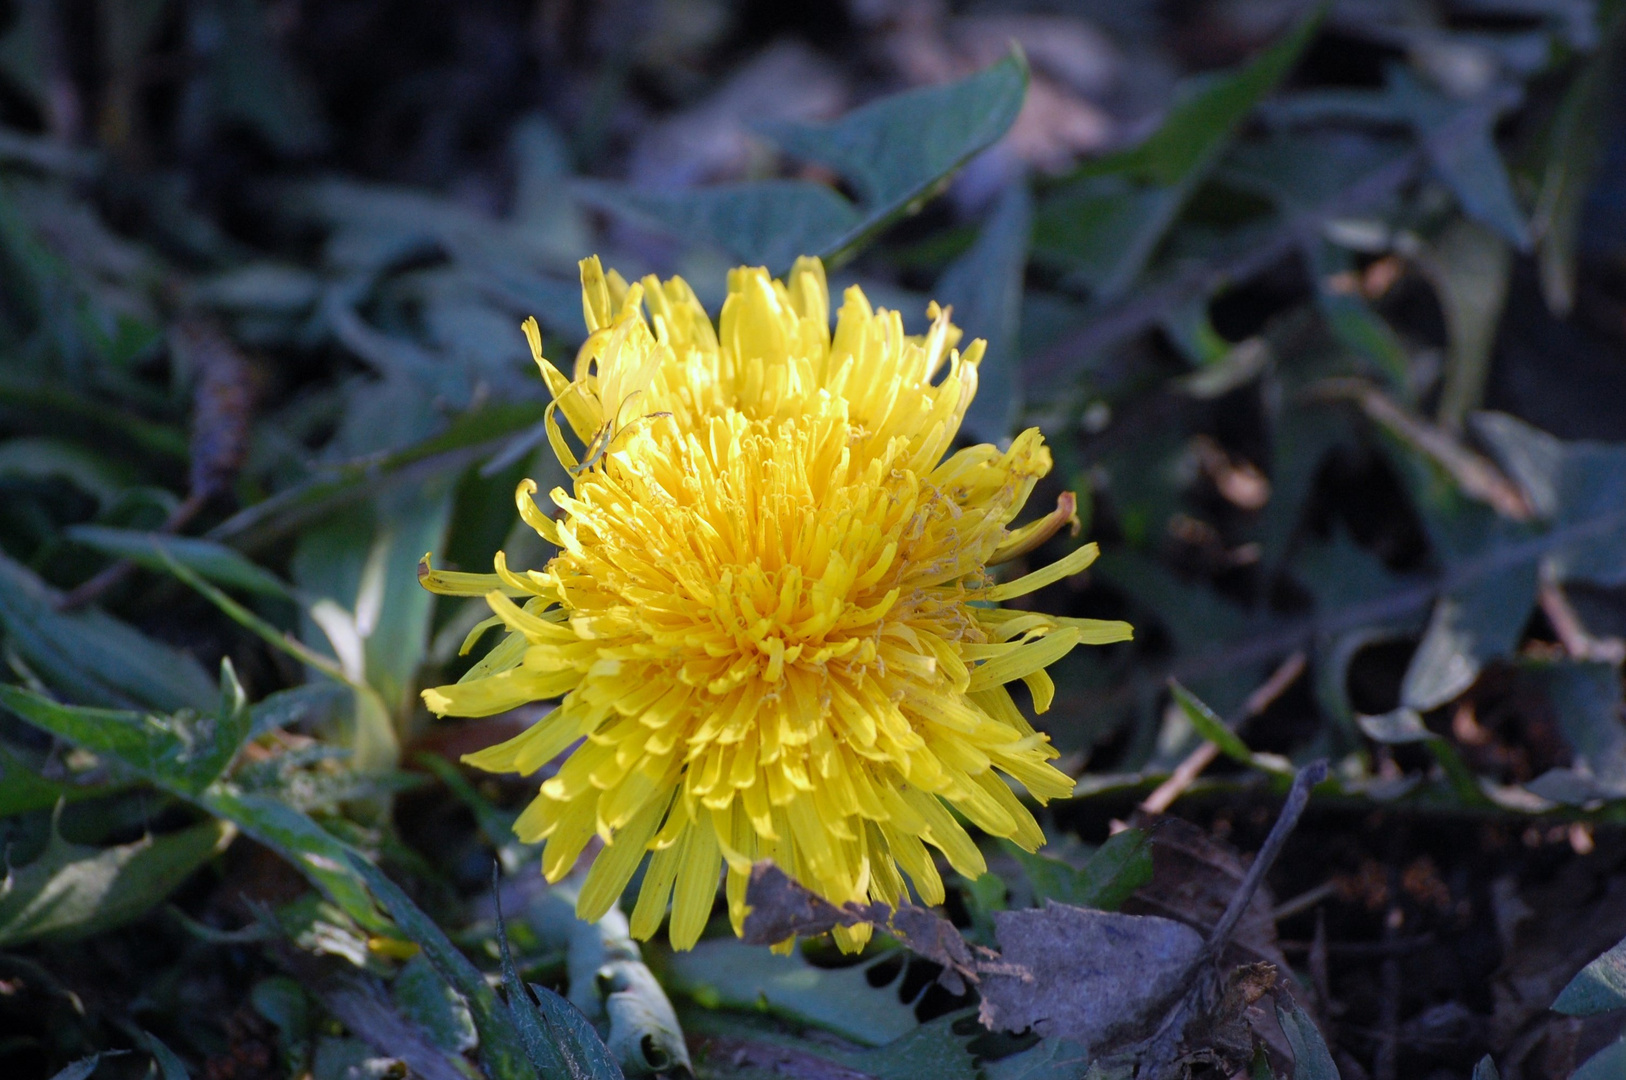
771 624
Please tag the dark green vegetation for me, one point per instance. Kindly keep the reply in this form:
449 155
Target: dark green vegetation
1323 313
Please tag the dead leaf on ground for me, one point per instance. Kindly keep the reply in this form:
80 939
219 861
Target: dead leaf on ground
1097 977
1194 877
781 908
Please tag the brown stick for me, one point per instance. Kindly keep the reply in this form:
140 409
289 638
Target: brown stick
1187 771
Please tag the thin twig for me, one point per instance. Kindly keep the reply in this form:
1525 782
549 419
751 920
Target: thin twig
1304 901
1476 475
1187 771
1298 797
1572 633
110 576
1157 1053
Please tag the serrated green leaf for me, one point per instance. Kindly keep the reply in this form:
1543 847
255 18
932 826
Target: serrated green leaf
500 1046
210 560
181 752
316 853
1106 223
155 748
73 891
897 149
896 152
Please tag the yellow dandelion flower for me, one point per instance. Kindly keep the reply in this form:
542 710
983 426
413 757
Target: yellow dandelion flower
770 623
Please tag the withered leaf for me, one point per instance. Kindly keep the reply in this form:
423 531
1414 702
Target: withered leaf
1194 877
1093 976
780 907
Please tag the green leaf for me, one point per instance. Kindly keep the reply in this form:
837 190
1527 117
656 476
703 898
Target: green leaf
323 858
1599 987
1486 1069
23 789
1606 1064
896 152
1470 627
73 891
1311 1059
1459 139
1403 725
181 752
283 1002
367 560
767 223
898 149
726 973
82 1068
469 438
1396 728
1587 699
265 287
433 1007
1051 1059
1471 267
1210 726
208 559
53 459
251 81
984 286
1580 487
542 1046
1574 152
170 1065
500 1045
156 748
1107 222
585 1055
1116 869
92 656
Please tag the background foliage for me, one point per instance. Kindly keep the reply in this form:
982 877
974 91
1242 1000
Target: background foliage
1322 311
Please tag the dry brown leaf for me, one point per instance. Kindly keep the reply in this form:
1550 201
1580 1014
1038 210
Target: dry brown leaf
1096 977
1194 877
781 908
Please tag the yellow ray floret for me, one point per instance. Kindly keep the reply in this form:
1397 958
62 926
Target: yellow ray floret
770 624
